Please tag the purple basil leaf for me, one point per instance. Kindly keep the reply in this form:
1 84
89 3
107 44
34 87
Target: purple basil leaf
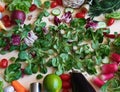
15 39
56 20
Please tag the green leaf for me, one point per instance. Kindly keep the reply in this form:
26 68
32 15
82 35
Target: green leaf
38 3
39 76
28 69
1 86
23 55
47 4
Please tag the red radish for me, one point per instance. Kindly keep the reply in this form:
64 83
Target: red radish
107 76
98 82
18 15
115 57
3 63
110 21
80 15
54 4
84 10
32 8
65 77
112 36
66 84
109 68
5 18
65 90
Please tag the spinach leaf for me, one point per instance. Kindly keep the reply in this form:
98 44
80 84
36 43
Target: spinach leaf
13 72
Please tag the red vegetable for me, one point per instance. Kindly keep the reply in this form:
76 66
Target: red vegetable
109 68
18 15
32 8
80 15
65 77
115 57
110 21
107 76
8 23
112 36
84 10
3 63
59 2
54 4
5 18
98 82
65 90
2 8
66 84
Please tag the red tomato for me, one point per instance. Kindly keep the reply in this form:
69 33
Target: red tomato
65 77
3 63
33 7
2 8
80 15
59 2
110 21
66 84
8 23
65 90
5 18
54 4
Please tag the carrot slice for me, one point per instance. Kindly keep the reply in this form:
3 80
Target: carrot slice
2 8
18 87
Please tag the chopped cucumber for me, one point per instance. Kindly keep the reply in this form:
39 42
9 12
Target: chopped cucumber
101 24
69 10
56 12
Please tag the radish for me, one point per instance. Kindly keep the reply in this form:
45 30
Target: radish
109 68
115 57
18 15
107 76
98 82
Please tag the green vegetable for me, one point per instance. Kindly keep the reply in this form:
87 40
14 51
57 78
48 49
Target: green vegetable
1 86
47 4
69 10
115 15
37 3
56 11
23 55
28 69
19 5
103 6
39 76
13 72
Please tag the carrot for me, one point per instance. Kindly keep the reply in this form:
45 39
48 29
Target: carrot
1 8
18 87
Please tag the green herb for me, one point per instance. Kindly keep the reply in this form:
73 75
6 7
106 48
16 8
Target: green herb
47 4
39 76
19 5
37 3
103 6
13 72
1 86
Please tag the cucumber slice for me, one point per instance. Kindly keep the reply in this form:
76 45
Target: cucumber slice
56 12
69 10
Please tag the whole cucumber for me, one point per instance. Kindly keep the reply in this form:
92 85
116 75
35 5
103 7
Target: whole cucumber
80 83
115 15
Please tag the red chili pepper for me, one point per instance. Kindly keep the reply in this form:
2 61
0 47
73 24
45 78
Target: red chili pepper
3 63
112 36
110 21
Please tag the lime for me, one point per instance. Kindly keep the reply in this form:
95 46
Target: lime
52 83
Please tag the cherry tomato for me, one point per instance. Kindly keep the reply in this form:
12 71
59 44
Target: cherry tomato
2 8
59 2
65 77
66 84
3 63
54 4
32 8
110 21
8 23
5 18
65 90
80 15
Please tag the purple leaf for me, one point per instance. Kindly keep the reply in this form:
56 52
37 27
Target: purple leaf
66 17
15 39
56 20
